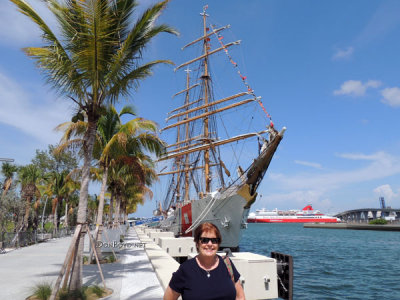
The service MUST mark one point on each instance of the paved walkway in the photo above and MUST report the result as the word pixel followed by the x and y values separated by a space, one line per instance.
pixel 130 278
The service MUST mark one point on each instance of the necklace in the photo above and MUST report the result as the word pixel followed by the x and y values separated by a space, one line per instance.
pixel 209 269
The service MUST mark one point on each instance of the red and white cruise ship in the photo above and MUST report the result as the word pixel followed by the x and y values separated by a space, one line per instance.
pixel 306 215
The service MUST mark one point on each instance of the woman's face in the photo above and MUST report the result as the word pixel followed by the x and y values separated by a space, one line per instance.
pixel 208 249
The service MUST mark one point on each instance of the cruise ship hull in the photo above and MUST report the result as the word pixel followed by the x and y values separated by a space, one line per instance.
pixel 292 220
pixel 306 215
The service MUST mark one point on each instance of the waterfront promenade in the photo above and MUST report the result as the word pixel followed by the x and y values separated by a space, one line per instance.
pixel 130 278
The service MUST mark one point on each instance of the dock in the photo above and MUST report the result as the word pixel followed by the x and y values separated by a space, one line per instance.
pixel 143 270
pixel 387 227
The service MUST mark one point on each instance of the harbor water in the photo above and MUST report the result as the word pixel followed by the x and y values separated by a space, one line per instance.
pixel 333 264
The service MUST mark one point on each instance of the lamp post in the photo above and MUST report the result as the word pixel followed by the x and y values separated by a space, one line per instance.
pixel 7 159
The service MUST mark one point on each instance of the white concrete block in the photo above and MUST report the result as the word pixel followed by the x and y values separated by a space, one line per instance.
pixel 177 247
pixel 151 229
pixel 156 235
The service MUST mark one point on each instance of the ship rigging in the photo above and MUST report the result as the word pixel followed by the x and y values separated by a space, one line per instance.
pixel 202 185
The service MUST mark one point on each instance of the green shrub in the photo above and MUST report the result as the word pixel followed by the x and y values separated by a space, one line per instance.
pixel 111 259
pixel 42 291
pixel 48 227
pixel 10 226
pixel 73 295
pixel 98 291
pixel 378 222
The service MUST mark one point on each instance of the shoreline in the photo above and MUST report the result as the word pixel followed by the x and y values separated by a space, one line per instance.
pixel 387 227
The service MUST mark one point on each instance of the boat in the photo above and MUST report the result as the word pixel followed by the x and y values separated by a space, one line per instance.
pixel 306 215
pixel 201 185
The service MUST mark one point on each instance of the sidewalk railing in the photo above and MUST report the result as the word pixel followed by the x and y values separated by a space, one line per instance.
pixel 26 238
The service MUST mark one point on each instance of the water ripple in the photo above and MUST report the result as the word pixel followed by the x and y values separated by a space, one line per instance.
pixel 333 264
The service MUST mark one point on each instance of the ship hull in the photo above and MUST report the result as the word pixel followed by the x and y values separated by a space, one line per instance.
pixel 227 210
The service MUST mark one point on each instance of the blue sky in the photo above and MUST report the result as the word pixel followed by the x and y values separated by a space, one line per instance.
pixel 327 70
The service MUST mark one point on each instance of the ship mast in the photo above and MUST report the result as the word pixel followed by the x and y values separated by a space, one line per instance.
pixel 205 141
pixel 205 82
pixel 186 196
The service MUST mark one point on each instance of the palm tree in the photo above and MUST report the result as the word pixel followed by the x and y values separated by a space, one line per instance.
pixel 94 60
pixel 114 140
pixel 29 176
pixel 62 186
pixel 130 175
pixel 71 186
pixel 8 171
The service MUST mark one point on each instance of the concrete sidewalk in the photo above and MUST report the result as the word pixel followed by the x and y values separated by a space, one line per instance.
pixel 132 277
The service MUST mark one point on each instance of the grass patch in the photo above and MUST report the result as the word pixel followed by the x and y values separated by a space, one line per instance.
pixel 85 259
pixel 49 227
pixel 111 259
pixel 42 291
pixel 73 295
pixel 96 290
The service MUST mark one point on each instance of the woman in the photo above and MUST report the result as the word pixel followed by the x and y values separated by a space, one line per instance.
pixel 206 276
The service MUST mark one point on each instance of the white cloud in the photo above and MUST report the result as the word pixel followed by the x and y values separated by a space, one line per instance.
pixel 293 191
pixel 296 200
pixel 384 20
pixel 361 156
pixel 385 191
pixel 391 96
pixel 308 164
pixel 35 117
pixel 373 84
pixel 381 165
pixel 343 53
pixel 17 29
pixel 356 87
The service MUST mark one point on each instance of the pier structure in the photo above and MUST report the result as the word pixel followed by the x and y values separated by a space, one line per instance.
pixel 259 274
pixel 146 260
pixel 364 215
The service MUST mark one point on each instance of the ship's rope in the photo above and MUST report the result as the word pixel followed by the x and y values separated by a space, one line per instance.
pixel 202 215
pixel 235 65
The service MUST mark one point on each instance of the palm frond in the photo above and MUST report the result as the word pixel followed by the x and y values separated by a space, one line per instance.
pixel 122 84
pixel 53 58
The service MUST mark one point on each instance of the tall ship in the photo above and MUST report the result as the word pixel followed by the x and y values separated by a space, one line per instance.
pixel 306 215
pixel 215 160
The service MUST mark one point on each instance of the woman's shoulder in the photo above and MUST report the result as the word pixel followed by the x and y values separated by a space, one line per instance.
pixel 222 259
pixel 188 264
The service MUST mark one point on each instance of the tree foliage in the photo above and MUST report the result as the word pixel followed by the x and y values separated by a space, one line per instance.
pixel 50 161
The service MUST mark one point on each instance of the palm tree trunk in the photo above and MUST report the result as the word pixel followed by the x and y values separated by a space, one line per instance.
pixel 111 209
pixel 66 213
pixel 101 198
pixel 117 209
pixel 123 218
pixel 55 217
pixel 99 221
pixel 36 218
pixel 27 211
pixel 6 186
pixel 76 277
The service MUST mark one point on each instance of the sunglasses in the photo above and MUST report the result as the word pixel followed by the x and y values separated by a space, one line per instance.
pixel 205 240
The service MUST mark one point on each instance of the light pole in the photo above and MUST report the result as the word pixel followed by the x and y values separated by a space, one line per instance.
pixel 7 159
